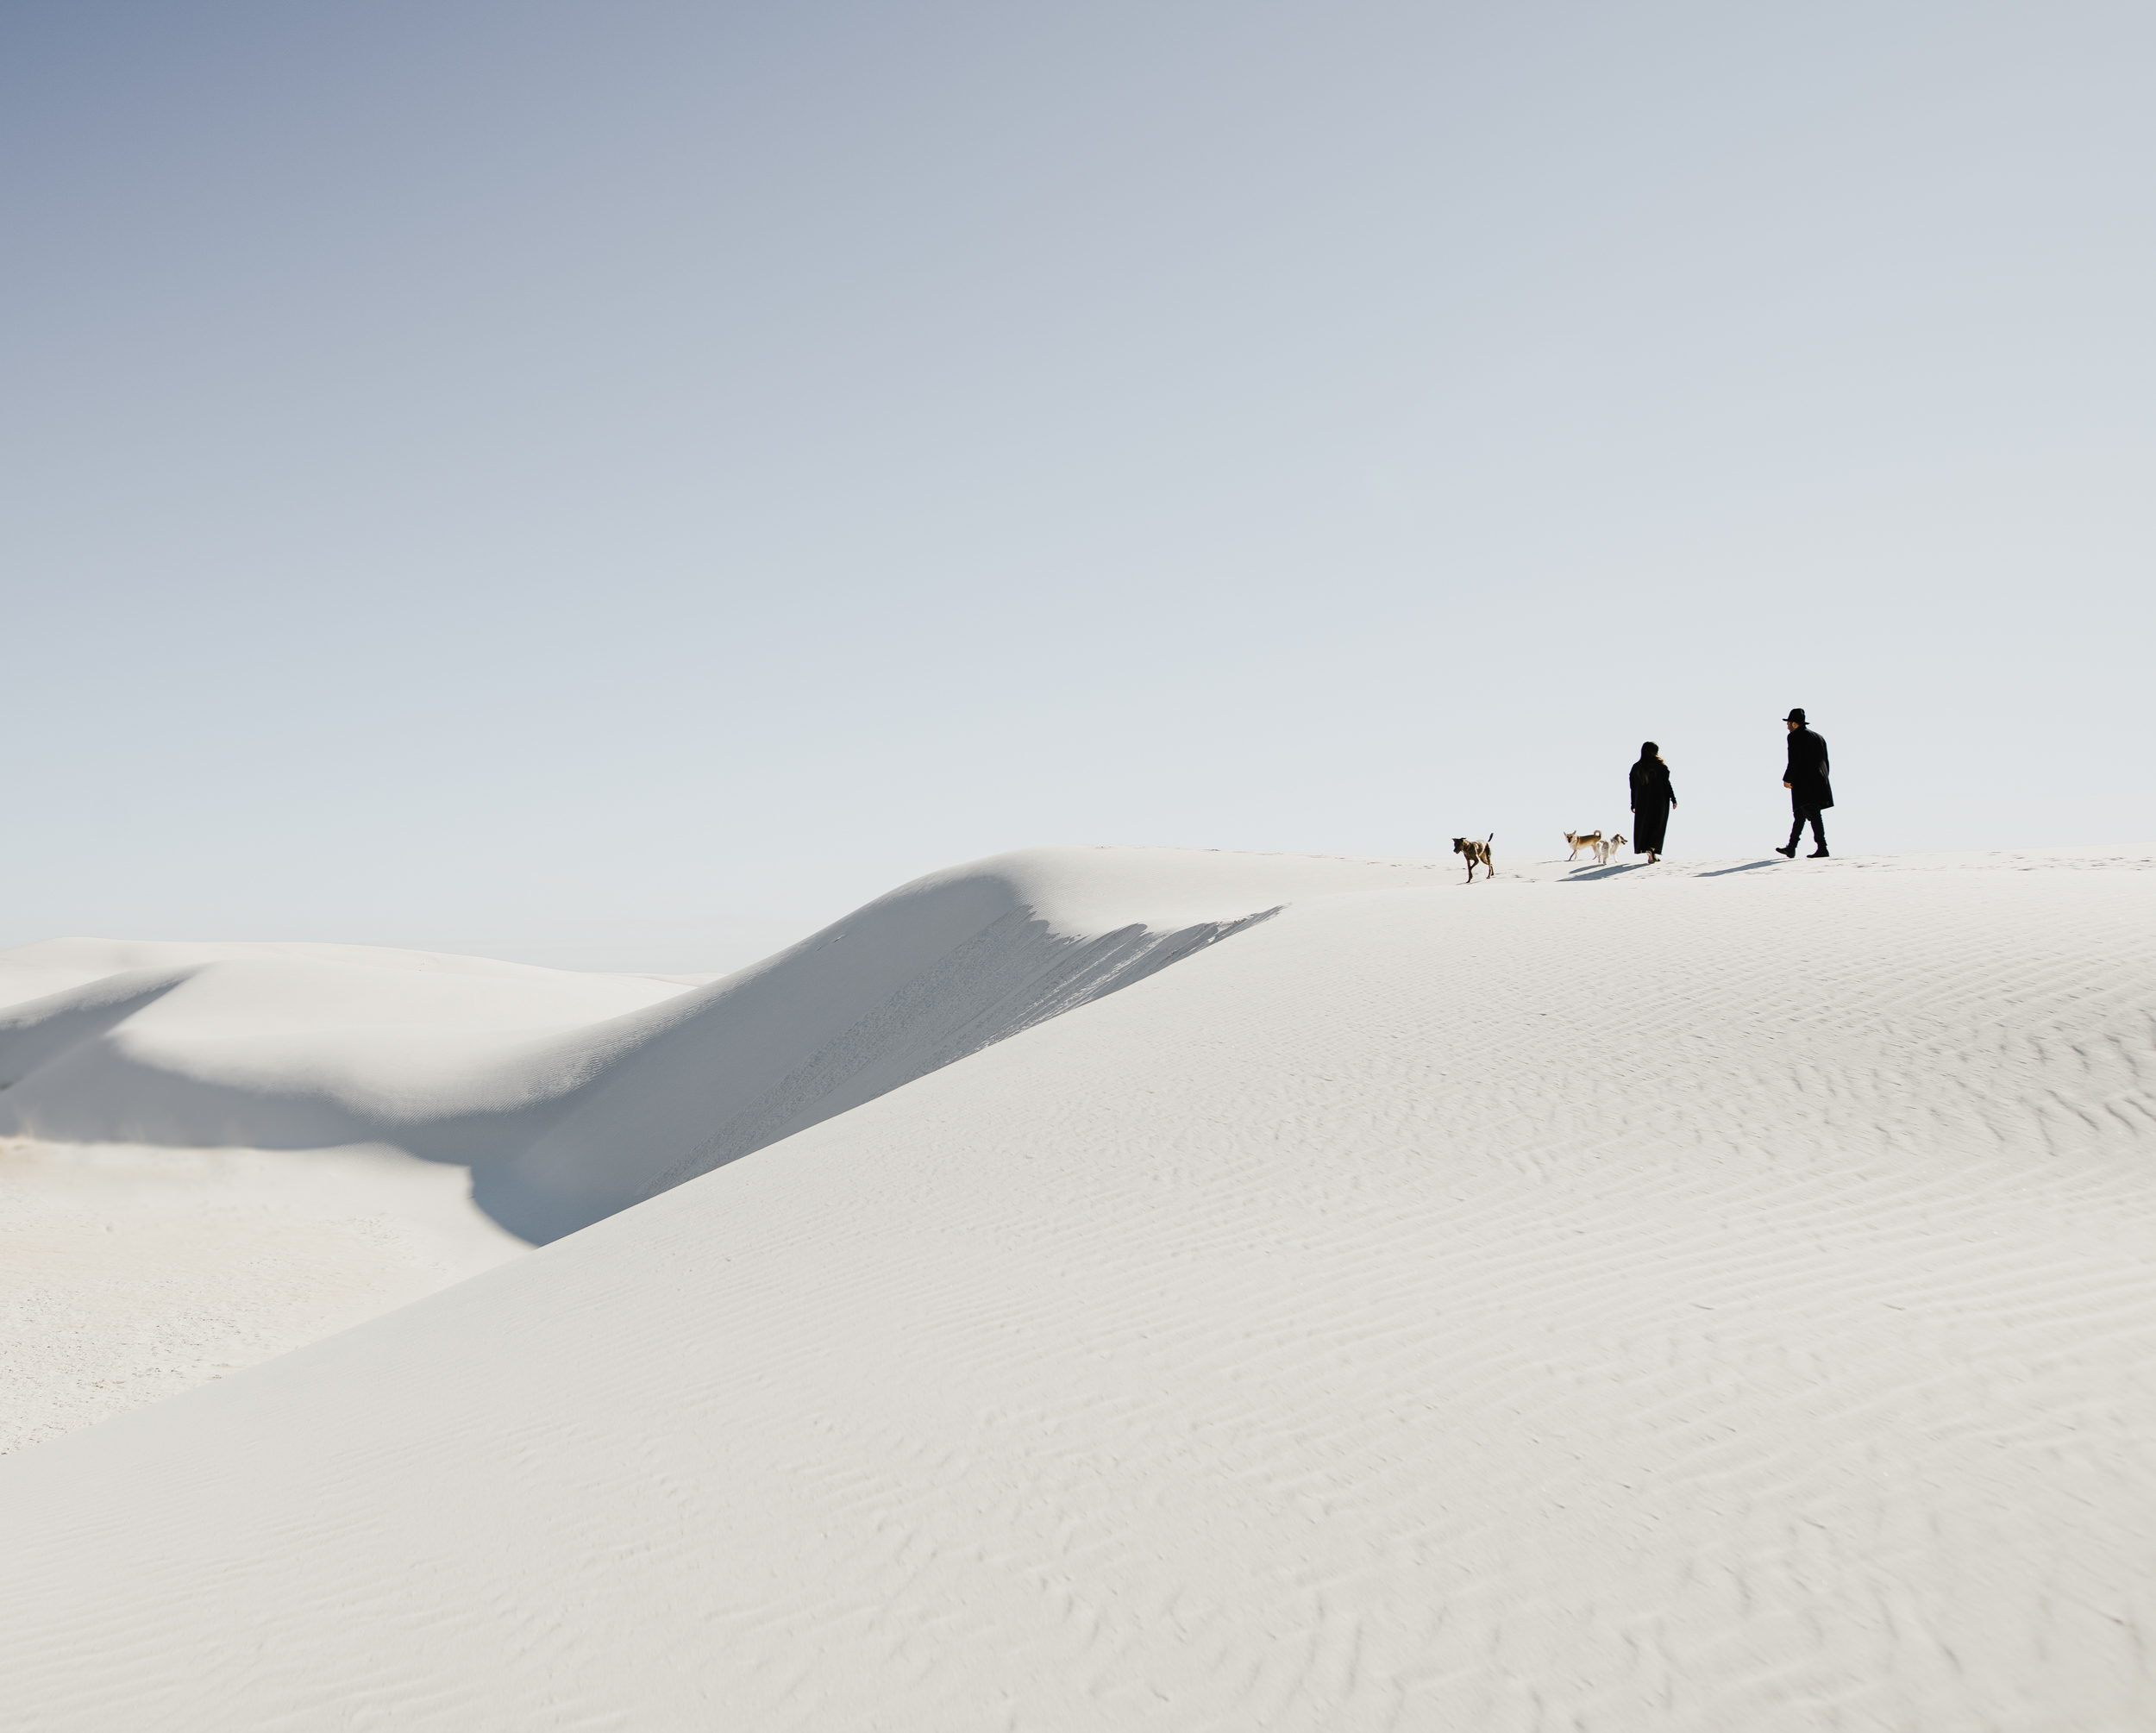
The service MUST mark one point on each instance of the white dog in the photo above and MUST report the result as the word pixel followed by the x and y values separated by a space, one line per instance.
pixel 1603 849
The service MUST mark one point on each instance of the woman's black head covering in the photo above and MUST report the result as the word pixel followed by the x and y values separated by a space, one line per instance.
pixel 1649 749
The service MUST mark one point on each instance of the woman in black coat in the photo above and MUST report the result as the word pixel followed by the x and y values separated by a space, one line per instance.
pixel 1651 799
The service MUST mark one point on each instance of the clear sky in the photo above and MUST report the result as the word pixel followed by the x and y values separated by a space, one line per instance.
pixel 618 485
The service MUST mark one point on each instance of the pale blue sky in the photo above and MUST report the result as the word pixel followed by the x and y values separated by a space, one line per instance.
pixel 618 485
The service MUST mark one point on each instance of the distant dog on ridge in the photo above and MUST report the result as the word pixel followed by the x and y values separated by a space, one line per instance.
pixel 1579 840
pixel 1477 854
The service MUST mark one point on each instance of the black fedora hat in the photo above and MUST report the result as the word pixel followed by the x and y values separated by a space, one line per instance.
pixel 1794 716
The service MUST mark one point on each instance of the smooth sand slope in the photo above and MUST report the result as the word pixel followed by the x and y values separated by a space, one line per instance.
pixel 1697 1298
pixel 242 1147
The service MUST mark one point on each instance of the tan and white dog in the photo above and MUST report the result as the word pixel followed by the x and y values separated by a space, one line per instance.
pixel 1582 839
pixel 1604 850
pixel 1478 855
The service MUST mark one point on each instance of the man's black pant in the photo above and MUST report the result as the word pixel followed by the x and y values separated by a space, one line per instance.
pixel 1819 831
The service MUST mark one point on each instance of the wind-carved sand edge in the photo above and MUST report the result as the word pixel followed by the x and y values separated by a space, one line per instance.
pixel 998 971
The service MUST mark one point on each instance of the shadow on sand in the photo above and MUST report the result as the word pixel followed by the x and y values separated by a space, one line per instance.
pixel 1588 875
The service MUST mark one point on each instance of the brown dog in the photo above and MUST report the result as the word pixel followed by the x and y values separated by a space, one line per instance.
pixel 1477 854
pixel 1579 840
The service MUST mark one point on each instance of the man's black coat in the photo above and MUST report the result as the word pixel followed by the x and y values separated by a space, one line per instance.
pixel 1810 789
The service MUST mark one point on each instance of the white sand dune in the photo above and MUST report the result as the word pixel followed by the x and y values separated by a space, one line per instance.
pixel 1694 1298
pixel 305 1078
pixel 572 1096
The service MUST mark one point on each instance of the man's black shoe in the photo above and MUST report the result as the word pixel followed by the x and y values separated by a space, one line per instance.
pixel 1788 854
pixel 1816 854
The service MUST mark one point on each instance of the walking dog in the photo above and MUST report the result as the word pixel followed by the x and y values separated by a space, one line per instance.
pixel 1604 850
pixel 1477 854
pixel 1579 840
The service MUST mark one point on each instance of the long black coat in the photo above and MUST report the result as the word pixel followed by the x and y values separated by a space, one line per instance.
pixel 1810 789
pixel 1651 799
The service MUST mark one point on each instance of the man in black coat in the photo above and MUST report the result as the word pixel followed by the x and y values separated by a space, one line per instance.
pixel 1805 777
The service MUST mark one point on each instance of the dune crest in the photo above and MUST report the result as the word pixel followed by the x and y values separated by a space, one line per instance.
pixel 571 1097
